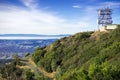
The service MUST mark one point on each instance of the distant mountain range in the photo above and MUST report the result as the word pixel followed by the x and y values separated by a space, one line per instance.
pixel 33 35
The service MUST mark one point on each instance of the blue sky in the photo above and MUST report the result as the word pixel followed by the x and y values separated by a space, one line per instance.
pixel 53 16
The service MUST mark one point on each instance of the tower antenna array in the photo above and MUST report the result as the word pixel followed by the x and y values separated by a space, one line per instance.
pixel 104 16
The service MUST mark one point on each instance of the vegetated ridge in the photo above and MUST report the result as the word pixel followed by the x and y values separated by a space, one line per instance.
pixel 83 56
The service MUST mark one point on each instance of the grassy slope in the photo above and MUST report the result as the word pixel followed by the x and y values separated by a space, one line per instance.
pixel 82 56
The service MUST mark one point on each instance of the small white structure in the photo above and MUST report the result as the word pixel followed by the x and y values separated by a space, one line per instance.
pixel 108 27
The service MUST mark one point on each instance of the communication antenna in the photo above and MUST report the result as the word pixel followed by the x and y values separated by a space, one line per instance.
pixel 104 16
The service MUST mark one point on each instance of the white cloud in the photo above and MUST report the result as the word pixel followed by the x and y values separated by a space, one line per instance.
pixel 19 20
pixel 30 3
pixel 76 6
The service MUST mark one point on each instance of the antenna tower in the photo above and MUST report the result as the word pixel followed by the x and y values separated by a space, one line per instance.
pixel 104 16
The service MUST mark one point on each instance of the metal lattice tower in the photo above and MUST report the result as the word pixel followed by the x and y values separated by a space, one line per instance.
pixel 104 16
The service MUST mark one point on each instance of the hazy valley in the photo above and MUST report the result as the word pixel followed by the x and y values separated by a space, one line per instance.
pixel 21 47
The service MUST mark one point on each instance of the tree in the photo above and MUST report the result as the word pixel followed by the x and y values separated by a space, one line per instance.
pixel 27 54
pixel 29 75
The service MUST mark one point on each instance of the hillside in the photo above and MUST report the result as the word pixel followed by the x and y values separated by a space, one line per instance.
pixel 83 56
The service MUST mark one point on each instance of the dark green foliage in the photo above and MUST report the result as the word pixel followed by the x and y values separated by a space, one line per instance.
pixel 29 75
pixel 83 56
pixel 83 36
pixel 58 72
pixel 37 55
pixel 101 72
pixel 10 71
pixel 27 54
pixel 42 77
